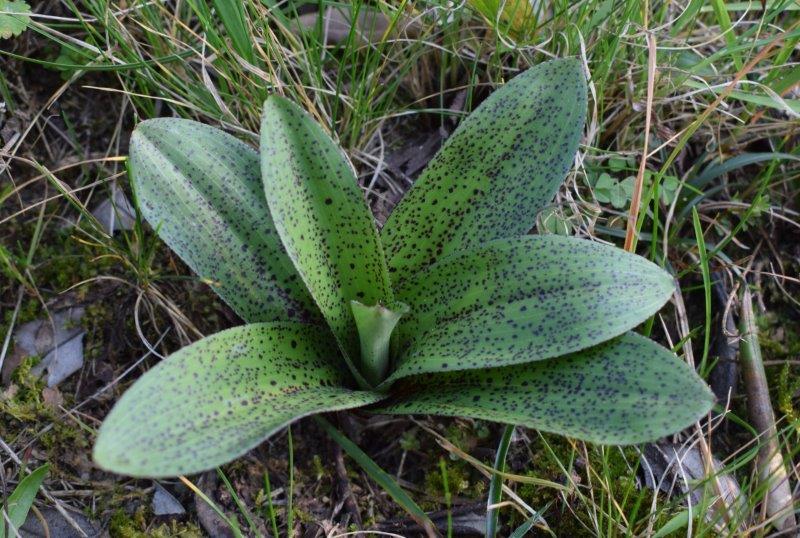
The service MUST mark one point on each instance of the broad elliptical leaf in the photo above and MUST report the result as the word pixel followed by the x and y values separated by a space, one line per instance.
pixel 322 217
pixel 523 299
pixel 214 400
pixel 628 390
pixel 201 189
pixel 502 165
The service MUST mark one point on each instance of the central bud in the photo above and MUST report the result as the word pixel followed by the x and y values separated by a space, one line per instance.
pixel 375 325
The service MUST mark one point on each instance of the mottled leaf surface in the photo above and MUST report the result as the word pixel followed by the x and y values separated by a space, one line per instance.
pixel 501 166
pixel 216 399
pixel 321 216
pixel 201 189
pixel 524 299
pixel 625 391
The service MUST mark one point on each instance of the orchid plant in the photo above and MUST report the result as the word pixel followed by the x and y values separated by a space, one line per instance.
pixel 451 309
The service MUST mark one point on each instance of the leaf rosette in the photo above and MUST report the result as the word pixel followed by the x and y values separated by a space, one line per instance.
pixel 452 309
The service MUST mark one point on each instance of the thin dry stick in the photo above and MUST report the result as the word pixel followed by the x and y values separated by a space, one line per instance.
pixel 636 198
pixel 778 502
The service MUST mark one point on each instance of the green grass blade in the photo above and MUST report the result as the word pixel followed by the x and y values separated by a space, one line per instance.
pixel 626 391
pixel 232 524
pixel 232 14
pixel 524 299
pixel 21 499
pixel 381 477
pixel 496 483
pixel 706 272
pixel 217 398
pixel 726 27
pixel 783 104
pixel 447 498
pixel 789 80
pixel 688 16
pixel 200 188
pixel 675 524
pixel 522 530
pixel 322 217
pixel 273 520
pixel 238 502
pixel 501 166
pixel 717 169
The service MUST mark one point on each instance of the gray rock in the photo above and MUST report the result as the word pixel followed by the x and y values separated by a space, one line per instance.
pixel 165 504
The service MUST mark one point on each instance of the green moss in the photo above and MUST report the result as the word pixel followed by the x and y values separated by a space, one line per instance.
pixel 28 311
pixel 780 341
pixel 467 436
pixel 22 400
pixel 319 469
pixel 462 481
pixel 123 525
pixel 409 440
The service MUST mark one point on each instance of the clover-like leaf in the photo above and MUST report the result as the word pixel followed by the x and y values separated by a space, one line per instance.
pixel 502 165
pixel 15 16
pixel 217 398
pixel 321 216
pixel 200 188
pixel 625 391
pixel 524 299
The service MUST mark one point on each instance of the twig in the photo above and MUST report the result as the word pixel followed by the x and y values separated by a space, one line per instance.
pixel 7 339
pixel 778 501
pixel 343 490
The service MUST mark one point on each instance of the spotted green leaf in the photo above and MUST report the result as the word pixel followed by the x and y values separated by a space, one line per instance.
pixel 625 391
pixel 524 299
pixel 201 189
pixel 502 165
pixel 216 399
pixel 321 216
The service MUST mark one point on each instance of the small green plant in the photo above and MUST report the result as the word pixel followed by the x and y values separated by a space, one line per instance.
pixel 15 510
pixel 15 16
pixel 450 310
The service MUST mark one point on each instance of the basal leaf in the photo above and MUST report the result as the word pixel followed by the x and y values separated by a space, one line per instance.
pixel 321 216
pixel 201 189
pixel 502 165
pixel 216 399
pixel 625 391
pixel 524 299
